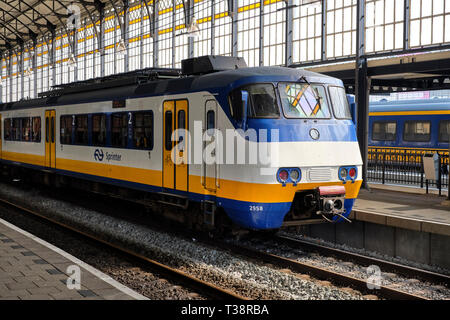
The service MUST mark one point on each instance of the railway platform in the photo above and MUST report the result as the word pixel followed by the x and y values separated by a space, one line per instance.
pixel 32 269
pixel 402 207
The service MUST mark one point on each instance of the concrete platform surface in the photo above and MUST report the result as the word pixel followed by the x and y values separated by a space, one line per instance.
pixel 413 211
pixel 32 269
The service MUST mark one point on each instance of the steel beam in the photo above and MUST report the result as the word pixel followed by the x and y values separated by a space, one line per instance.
pixel 362 88
pixel 234 26
pixel 261 32
pixel 213 28
pixel 406 26
pixel 288 35
pixel 324 30
pixel 155 34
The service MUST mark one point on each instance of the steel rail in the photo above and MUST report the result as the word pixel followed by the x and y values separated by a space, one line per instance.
pixel 193 282
pixel 318 272
pixel 386 266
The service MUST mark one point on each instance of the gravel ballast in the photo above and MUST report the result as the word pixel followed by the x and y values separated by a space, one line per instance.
pixel 250 279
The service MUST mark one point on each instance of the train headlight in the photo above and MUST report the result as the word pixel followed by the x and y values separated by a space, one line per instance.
pixel 295 175
pixel 343 174
pixel 348 173
pixel 289 175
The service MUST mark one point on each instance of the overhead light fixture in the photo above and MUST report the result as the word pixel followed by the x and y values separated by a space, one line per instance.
pixel 72 62
pixel 121 48
pixel 193 29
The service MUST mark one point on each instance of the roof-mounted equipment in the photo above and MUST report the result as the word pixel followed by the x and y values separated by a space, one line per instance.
pixel 210 64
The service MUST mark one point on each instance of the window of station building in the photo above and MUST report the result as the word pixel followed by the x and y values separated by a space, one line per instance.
pixel 417 131
pixel 444 131
pixel 36 129
pixel 26 129
pixel 119 130
pixel 7 129
pixel 81 129
pixel 99 130
pixel 66 129
pixel 143 130
pixel 384 131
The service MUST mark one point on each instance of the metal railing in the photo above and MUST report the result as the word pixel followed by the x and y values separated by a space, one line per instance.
pixel 405 167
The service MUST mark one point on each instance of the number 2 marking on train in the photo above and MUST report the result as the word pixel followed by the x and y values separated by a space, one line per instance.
pixel 129 118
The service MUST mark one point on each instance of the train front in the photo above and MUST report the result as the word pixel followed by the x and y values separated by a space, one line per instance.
pixel 309 162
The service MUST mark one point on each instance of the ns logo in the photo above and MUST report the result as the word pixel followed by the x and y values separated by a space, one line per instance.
pixel 98 155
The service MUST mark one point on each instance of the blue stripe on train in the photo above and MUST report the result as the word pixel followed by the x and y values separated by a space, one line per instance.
pixel 255 215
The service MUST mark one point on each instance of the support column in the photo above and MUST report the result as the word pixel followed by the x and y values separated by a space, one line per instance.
pixel 34 66
pixel 10 74
pixel 101 41
pixel 324 30
pixel 234 32
pixel 362 90
pixel 261 32
pixel 191 39
pixel 125 36
pixel 288 39
pixel 174 24
pixel 21 72
pixel 155 34
pixel 141 34
pixel 406 24
pixel 213 29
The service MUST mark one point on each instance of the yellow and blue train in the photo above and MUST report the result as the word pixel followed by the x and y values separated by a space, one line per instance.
pixel 135 136
pixel 419 125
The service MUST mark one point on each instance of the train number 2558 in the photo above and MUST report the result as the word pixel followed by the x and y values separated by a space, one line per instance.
pixel 256 208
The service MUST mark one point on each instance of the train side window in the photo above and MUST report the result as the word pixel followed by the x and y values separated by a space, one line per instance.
pixel 81 129
pixel 26 129
pixel 7 129
pixel 210 122
pixel 444 131
pixel 36 129
pixel 168 130
pixel 143 130
pixel 417 131
pixel 384 131
pixel 119 130
pixel 16 129
pixel 99 130
pixel 66 129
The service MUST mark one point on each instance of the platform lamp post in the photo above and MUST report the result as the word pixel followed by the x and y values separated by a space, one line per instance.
pixel 448 165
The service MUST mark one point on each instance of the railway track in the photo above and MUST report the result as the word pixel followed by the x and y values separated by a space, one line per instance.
pixel 298 267
pixel 206 288
pixel 339 279
pixel 386 266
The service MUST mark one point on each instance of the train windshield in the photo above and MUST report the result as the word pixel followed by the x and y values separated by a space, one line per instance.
pixel 303 100
pixel 340 103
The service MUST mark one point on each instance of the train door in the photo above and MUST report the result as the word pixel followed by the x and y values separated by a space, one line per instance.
pixel 50 149
pixel 209 160
pixel 181 147
pixel 1 136
pixel 168 125
pixel 175 154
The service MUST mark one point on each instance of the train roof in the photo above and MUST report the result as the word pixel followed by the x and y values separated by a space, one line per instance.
pixel 173 83
pixel 410 105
